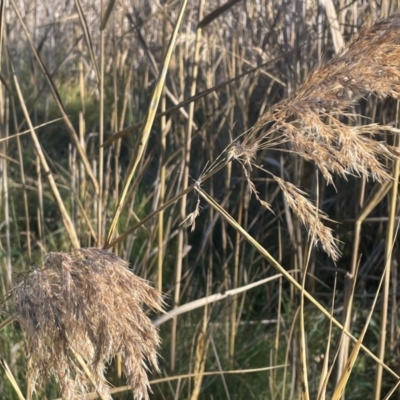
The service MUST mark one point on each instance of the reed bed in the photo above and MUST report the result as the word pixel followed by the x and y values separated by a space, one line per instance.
pixel 215 150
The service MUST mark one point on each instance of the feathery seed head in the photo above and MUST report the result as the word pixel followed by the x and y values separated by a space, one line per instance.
pixel 87 303
pixel 312 118
pixel 315 121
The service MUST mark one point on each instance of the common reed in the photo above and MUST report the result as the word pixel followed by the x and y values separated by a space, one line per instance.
pixel 87 303
pixel 314 120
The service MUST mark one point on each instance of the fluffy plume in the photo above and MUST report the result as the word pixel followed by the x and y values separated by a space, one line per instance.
pixel 310 216
pixel 312 119
pixel 88 304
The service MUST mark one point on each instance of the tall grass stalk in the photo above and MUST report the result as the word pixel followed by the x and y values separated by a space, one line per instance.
pixel 187 141
pixel 389 245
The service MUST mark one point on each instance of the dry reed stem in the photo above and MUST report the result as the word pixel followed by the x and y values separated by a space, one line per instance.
pixel 149 119
pixel 87 302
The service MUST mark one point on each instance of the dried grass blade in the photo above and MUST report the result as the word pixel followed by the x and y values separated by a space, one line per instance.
pixel 57 99
pixel 182 240
pixel 88 38
pixel 3 80
pixel 6 322
pixel 288 348
pixel 325 373
pixel 216 13
pixel 202 343
pixel 145 132
pixel 392 390
pixel 100 194
pixel 2 21
pixel 337 37
pixel 339 390
pixel 217 358
pixel 282 270
pixel 305 389
pixel 147 218
pixel 87 220
pixel 69 226
pixel 28 130
pixel 11 378
pixel 374 200
pixel 5 157
pixel 154 69
pixel 193 305
pixel 131 129
pixel 107 14
pixel 389 244
pixel 121 389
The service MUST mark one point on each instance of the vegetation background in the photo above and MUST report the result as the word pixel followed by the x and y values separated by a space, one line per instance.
pixel 84 70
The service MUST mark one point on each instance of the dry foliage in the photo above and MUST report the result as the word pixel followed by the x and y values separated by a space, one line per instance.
pixel 313 120
pixel 310 216
pixel 87 303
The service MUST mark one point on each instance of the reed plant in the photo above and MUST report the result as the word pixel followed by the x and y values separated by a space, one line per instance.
pixel 86 305
pixel 268 129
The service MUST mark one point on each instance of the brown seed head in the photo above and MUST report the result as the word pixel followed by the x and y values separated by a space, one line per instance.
pixel 87 303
